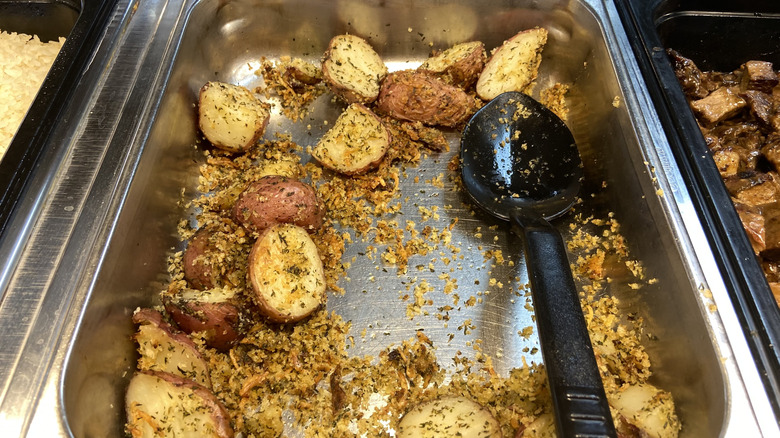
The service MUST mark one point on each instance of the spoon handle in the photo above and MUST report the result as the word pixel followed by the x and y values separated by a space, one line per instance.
pixel 579 401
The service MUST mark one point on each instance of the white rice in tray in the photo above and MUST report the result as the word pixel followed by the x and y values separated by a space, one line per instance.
pixel 24 63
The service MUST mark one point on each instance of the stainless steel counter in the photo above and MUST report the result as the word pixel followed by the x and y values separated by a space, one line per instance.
pixel 81 210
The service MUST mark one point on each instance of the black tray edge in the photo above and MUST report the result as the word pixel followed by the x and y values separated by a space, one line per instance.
pixel 753 300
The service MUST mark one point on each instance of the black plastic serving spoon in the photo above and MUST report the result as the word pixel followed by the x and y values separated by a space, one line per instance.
pixel 520 163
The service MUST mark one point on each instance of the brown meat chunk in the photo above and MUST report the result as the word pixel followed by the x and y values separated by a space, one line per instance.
pixel 759 76
pixel 764 192
pixel 775 287
pixel 753 222
pixel 744 180
pixel 695 83
pixel 720 105
pixel 775 120
pixel 761 107
pixel 727 161
pixel 744 138
pixel 772 224
pixel 771 150
pixel 772 271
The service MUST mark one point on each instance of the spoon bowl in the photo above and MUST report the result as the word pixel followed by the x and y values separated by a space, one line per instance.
pixel 517 154
pixel 520 163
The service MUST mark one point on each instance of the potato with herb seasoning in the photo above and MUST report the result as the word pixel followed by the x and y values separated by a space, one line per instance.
pixel 230 116
pixel 215 312
pixel 161 404
pixel 460 65
pixel 201 261
pixel 356 144
pixel 417 96
pixel 299 73
pixel 542 427
pixel 277 199
pixel 352 69
pixel 163 349
pixel 286 274
pixel 449 416
pixel 645 411
pixel 514 65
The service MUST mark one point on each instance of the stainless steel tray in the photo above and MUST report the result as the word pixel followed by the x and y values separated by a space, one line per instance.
pixel 99 249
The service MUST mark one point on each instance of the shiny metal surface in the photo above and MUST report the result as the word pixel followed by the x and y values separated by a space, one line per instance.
pixel 109 214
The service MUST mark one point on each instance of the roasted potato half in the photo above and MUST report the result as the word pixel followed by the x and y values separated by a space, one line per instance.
pixel 286 274
pixel 352 69
pixel 645 411
pixel 163 349
pixel 460 65
pixel 357 142
pixel 449 416
pixel 299 73
pixel 215 312
pixel 514 65
pixel 285 165
pixel 419 97
pixel 161 404
pixel 230 116
pixel 277 199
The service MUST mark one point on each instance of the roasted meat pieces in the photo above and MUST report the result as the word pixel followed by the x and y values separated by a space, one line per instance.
pixel 739 115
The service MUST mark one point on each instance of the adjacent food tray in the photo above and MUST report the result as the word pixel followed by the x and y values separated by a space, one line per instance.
pixel 80 23
pixel 717 36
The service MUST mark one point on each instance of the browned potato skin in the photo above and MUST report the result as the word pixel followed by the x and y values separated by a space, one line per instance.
pixel 221 321
pixel 465 71
pixel 219 415
pixel 419 97
pixel 277 199
pixel 199 269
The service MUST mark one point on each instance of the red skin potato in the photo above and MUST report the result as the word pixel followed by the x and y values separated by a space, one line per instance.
pixel 199 271
pixel 419 97
pixel 278 199
pixel 220 320
pixel 464 72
